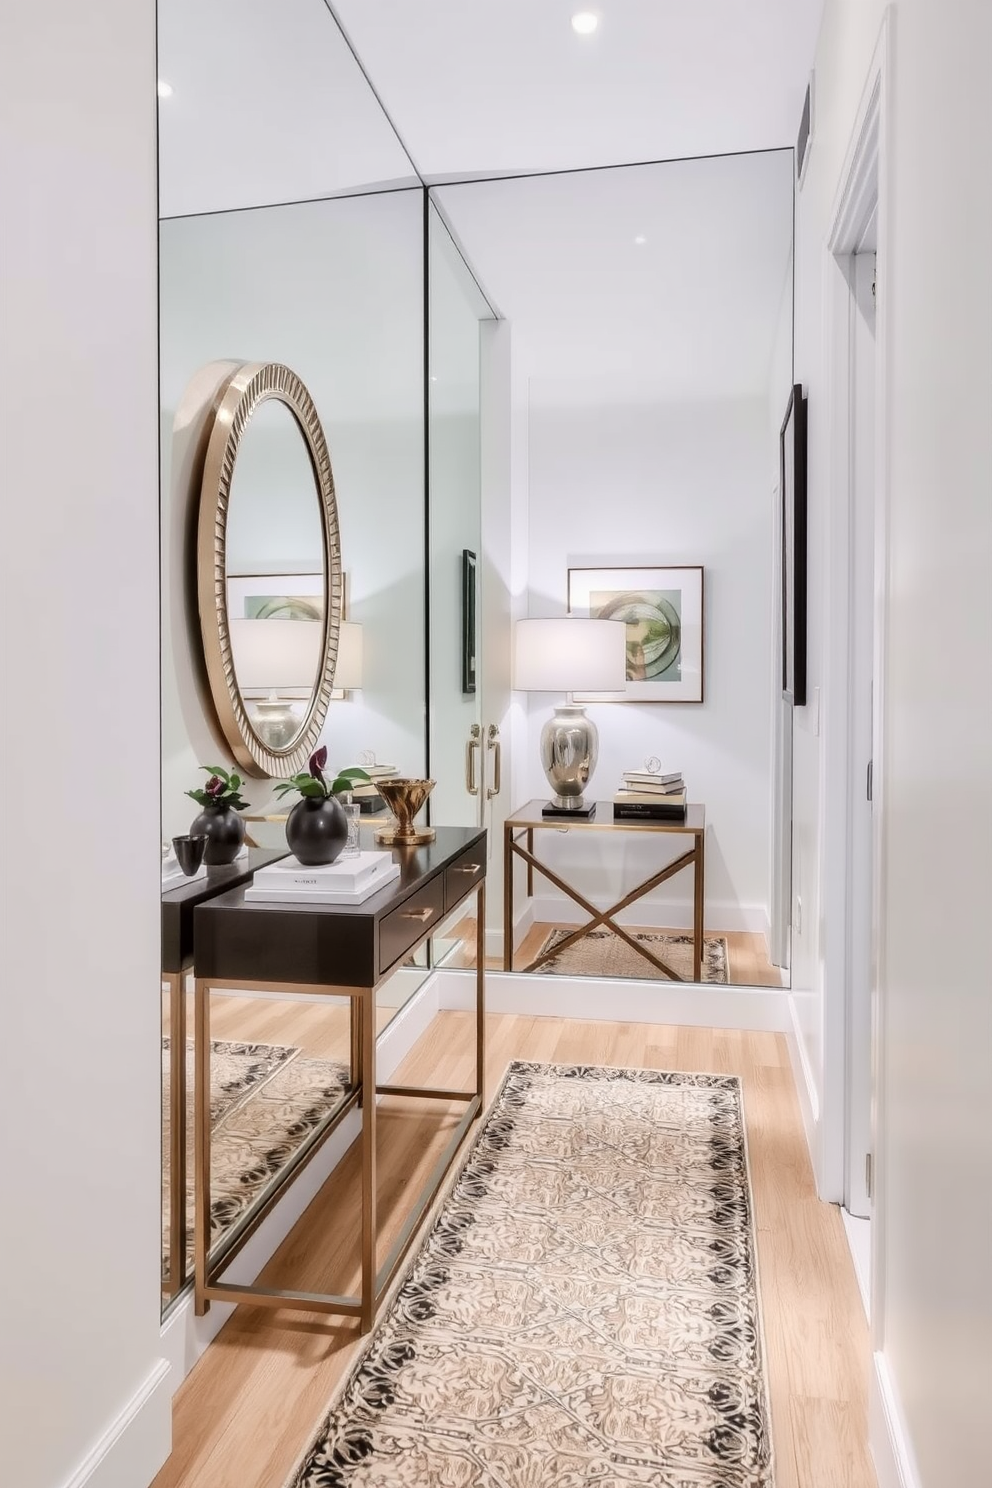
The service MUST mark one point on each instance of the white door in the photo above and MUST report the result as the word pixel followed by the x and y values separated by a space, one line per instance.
pixel 862 652
pixel 455 310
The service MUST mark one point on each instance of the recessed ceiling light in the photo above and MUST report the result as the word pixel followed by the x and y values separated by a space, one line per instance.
pixel 164 89
pixel 585 22
pixel 640 239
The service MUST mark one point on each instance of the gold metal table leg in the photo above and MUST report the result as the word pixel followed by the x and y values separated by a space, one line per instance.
pixel 201 1075
pixel 369 1225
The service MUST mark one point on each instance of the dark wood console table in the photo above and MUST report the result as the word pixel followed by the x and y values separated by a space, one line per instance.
pixel 335 951
pixel 528 820
pixel 178 905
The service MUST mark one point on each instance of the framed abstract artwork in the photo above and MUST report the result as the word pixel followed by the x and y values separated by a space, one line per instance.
pixel 792 488
pixel 663 612
pixel 469 590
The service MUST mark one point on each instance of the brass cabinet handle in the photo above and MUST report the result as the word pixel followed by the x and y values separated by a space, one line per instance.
pixel 471 750
pixel 416 914
pixel 494 744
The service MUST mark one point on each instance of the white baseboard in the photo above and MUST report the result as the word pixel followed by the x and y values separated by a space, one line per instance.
pixel 137 1442
pixel 809 1101
pixel 858 1232
pixel 651 914
pixel 184 1335
pixel 760 1009
pixel 895 1464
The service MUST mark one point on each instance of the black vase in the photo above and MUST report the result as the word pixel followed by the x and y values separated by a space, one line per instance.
pixel 316 830
pixel 224 831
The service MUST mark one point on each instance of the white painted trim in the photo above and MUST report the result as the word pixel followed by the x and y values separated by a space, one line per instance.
pixel 650 914
pixel 135 1445
pixel 185 1336
pixel 759 1009
pixel 802 1074
pixel 862 181
pixel 888 1439
pixel 858 1232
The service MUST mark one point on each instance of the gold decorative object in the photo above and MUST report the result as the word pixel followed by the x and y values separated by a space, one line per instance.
pixel 404 799
pixel 251 385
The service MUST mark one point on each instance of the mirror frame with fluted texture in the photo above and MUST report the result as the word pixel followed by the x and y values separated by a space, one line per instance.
pixel 251 385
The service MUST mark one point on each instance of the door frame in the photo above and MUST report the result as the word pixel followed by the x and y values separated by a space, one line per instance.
pixel 863 191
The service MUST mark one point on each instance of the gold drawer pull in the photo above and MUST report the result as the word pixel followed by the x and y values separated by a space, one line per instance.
pixel 468 868
pixel 416 914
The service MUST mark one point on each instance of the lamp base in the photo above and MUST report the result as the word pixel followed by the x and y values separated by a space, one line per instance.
pixel 581 811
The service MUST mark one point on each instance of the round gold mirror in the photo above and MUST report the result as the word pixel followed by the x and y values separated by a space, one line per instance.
pixel 269 569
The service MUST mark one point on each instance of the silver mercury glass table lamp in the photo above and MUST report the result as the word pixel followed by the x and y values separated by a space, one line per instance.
pixel 569 654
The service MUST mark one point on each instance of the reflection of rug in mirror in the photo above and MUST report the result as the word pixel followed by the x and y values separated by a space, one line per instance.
pixel 264 1102
pixel 584 1309
pixel 603 954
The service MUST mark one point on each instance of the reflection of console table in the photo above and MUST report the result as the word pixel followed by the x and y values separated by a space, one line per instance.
pixel 337 952
pixel 178 905
pixel 528 820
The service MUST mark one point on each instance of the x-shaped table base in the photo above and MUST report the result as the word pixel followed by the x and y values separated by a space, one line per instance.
pixel 527 821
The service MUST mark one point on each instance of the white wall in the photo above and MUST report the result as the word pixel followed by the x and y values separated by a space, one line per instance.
pixel 335 290
pixel 932 1216
pixel 81 1381
pixel 622 475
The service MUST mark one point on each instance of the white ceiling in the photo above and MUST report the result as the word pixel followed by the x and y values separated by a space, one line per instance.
pixel 267 105
pixel 489 86
pixel 691 312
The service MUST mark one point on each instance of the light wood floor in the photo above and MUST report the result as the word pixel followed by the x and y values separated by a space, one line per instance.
pixel 747 953
pixel 251 1404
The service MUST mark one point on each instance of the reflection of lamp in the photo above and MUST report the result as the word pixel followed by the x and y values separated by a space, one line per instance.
pixel 348 667
pixel 273 658
pixel 569 655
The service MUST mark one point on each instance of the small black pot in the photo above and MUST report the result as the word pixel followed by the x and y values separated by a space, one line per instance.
pixel 224 831
pixel 316 830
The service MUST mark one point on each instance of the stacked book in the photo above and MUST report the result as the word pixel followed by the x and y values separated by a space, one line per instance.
pixel 366 793
pixel 648 796
pixel 346 881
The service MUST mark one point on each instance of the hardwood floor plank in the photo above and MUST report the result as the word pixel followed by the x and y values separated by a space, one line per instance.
pixel 249 1407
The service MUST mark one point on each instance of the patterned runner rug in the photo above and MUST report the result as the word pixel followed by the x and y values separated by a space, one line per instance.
pixel 603 954
pixel 584 1309
pixel 264 1102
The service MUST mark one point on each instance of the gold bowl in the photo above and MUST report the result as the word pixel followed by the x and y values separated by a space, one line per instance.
pixel 404 799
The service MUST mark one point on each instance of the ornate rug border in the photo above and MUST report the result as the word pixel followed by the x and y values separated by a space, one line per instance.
pixel 514 1066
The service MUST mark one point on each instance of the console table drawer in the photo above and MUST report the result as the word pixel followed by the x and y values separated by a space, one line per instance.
pixel 403 927
pixel 464 873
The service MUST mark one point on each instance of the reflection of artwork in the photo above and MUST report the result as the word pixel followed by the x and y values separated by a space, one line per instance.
pixel 663 610
pixel 275 596
pixel 283 607
pixel 793 494
pixel 468 621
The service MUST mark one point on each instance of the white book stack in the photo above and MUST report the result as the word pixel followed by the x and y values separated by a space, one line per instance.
pixel 347 881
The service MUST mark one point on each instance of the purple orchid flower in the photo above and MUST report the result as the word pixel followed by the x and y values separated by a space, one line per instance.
pixel 317 762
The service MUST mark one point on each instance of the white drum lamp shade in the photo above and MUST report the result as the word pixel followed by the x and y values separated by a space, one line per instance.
pixel 276 656
pixel 568 654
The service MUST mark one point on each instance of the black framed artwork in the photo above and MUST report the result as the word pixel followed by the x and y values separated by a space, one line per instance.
pixel 469 587
pixel 792 486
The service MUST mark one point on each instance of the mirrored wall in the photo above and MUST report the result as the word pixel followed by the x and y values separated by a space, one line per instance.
pixel 302 247
pixel 651 316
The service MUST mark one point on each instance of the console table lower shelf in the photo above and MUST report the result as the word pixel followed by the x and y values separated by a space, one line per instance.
pixel 291 949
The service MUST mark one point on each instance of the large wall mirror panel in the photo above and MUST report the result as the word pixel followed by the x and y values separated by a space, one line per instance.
pixel 651 317
pixel 304 252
